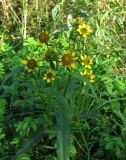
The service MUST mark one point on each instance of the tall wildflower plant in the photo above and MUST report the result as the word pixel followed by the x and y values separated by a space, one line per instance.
pixel 53 72
pixel 63 70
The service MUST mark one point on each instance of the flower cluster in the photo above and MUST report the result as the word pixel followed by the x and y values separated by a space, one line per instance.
pixel 68 59
pixel 87 62
pixel 87 73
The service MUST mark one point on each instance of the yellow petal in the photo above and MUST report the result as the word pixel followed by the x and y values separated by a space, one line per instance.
pixel 92 81
pixel 91 61
pixel 85 72
pixel 44 78
pixel 24 61
pixel 90 71
pixel 72 65
pixel 82 63
pixel 84 35
pixel 82 58
pixel 73 54
pixel 93 76
pixel 89 29
pixel 75 58
pixel 81 73
pixel 48 80
pixel 28 57
pixel 88 66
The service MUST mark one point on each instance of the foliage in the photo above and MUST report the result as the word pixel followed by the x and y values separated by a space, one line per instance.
pixel 62 80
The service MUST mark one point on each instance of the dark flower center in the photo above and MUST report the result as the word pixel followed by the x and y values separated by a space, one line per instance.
pixel 44 37
pixel 83 30
pixel 32 64
pixel 86 61
pixel 88 77
pixel 67 59
pixel 48 57
pixel 49 75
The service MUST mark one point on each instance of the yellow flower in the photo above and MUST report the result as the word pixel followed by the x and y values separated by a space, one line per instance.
pixel 84 29
pixel 88 75
pixel 50 55
pixel 86 61
pixel 43 37
pixel 49 76
pixel 31 63
pixel 68 59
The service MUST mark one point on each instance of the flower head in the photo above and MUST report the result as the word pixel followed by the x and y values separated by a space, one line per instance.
pixel 49 76
pixel 68 59
pixel 50 55
pixel 75 118
pixel 43 37
pixel 86 61
pixel 84 29
pixel 31 63
pixel 88 76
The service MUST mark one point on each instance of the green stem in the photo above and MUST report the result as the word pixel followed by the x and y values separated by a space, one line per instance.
pixel 38 90
pixel 65 90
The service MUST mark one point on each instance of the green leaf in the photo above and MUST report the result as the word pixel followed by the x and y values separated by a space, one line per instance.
pixel 23 157
pixel 115 106
pixel 119 86
pixel 90 114
pixel 33 140
pixel 14 141
pixel 2 136
pixel 63 132
pixel 14 72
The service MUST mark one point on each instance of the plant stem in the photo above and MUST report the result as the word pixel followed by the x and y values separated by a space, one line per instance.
pixel 65 90
pixel 38 90
pixel 24 27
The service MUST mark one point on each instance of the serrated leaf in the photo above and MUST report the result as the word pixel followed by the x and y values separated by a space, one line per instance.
pixel 32 141
pixel 14 72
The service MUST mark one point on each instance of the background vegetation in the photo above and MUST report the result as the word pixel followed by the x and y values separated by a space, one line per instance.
pixel 34 125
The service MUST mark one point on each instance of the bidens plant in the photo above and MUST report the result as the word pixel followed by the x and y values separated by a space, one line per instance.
pixel 52 78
